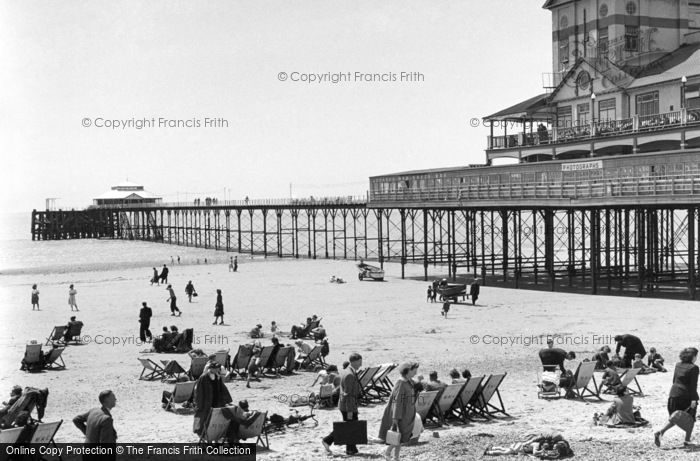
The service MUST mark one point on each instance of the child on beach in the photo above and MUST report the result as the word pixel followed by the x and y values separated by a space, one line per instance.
pixel 639 363
pixel 656 361
pixel 430 294
pixel 445 309
pixel 611 378
pixel 71 298
pixel 35 297
pixel 273 328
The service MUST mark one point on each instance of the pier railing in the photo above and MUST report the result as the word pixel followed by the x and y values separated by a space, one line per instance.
pixel 678 185
pixel 204 203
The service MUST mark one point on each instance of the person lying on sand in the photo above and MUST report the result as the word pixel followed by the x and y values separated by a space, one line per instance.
pixel 543 446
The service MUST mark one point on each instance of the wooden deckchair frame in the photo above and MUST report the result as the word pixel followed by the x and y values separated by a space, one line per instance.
pixel 256 429
pixel 433 415
pixel 626 379
pixel 33 351
pixel 280 359
pixel 54 361
pixel 197 365
pixel 381 385
pixel 181 393
pixel 365 380
pixel 582 386
pixel 172 374
pixel 463 406
pixel 44 433
pixel 265 356
pixel 219 431
pixel 74 332
pixel 223 358
pixel 156 371
pixel 56 336
pixel 449 399
pixel 424 402
pixel 240 361
pixel 488 390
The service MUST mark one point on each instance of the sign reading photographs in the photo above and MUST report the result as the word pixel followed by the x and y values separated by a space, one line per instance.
pixel 582 166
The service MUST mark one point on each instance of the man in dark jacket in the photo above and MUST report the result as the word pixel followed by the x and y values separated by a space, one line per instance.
pixel 553 357
pixel 633 345
pixel 97 424
pixel 209 392
pixel 164 274
pixel 348 401
pixel 145 315
pixel 474 290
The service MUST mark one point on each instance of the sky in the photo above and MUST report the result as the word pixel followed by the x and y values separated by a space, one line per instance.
pixel 78 77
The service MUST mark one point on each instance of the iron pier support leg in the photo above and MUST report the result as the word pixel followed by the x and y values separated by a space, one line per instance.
pixel 691 253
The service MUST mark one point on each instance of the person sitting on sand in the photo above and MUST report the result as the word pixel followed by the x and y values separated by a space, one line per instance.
pixel 611 378
pixel 466 374
pixel 256 332
pixel 434 384
pixel 15 394
pixel 543 446
pixel 655 360
pixel 456 377
pixel 639 363
pixel 274 329
pixel 601 358
pixel 621 410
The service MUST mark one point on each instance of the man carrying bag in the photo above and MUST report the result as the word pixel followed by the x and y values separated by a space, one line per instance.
pixel 351 431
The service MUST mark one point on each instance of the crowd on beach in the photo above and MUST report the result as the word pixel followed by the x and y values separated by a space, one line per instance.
pixel 339 387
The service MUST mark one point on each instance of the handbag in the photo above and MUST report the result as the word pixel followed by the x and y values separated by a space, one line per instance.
pixel 350 433
pixel 682 419
pixel 194 295
pixel 393 438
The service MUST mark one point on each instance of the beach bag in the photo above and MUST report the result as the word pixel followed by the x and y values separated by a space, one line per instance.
pixel 350 432
pixel 393 438
pixel 194 294
pixel 682 419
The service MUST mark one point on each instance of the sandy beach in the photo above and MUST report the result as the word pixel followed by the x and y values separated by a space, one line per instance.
pixel 385 322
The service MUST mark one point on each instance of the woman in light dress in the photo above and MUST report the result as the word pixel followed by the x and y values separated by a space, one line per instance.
pixel 71 298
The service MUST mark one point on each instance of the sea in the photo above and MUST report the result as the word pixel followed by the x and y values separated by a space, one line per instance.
pixel 20 255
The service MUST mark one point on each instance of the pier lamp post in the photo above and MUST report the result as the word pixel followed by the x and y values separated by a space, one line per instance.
pixel 593 130
pixel 684 80
pixel 593 108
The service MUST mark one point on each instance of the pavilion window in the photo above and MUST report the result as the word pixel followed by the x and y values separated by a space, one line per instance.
pixel 692 97
pixel 648 103
pixel 607 110
pixel 564 117
pixel 631 38
pixel 583 112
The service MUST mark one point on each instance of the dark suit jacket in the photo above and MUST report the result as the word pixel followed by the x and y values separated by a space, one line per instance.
pixel 349 391
pixel 145 315
pixel 97 425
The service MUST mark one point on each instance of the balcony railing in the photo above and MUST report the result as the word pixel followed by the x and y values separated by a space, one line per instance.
pixel 597 129
pixel 307 201
pixel 660 186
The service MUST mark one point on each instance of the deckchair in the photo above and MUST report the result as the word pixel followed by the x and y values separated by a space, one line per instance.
pixel 306 332
pixel 181 394
pixel 56 336
pixel 280 361
pixel 314 359
pixel 626 379
pixel 325 395
pixel 445 403
pixel 151 370
pixel 464 405
pixel 489 389
pixel 45 432
pixel 215 427
pixel 381 384
pixel 582 380
pixel 197 367
pixel 33 358
pixel 256 430
pixel 172 369
pixel 265 355
pixel 433 417
pixel 424 402
pixel 30 400
pixel 54 361
pixel 73 333
pixel 223 358
pixel 365 379
pixel 242 359
pixel 14 435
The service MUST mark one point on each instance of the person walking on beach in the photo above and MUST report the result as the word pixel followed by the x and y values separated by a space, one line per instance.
pixel 145 315
pixel 230 264
pixel 474 290
pixel 683 396
pixel 98 425
pixel 178 259
pixel 173 301
pixel 235 264
pixel 218 308
pixel 35 297
pixel 71 298
pixel 164 274
pixel 189 290
pixel 400 412
pixel 348 402
pixel 156 278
